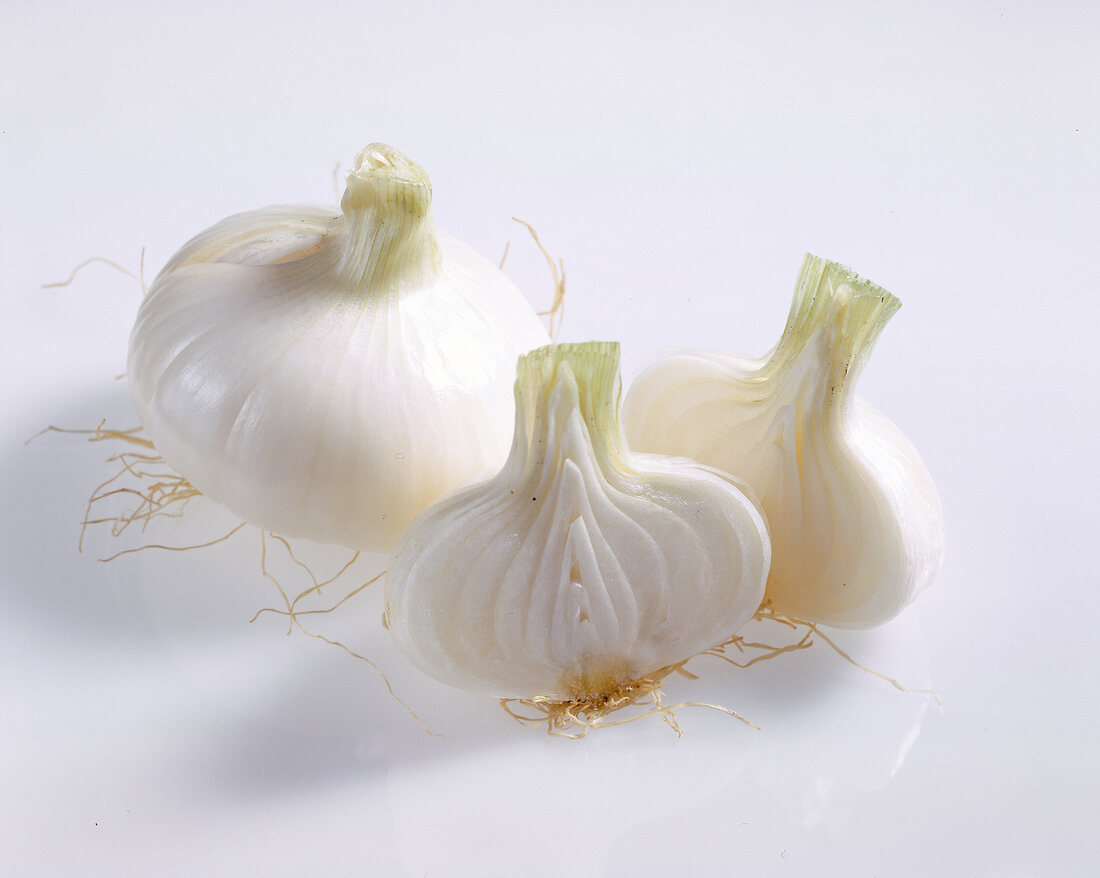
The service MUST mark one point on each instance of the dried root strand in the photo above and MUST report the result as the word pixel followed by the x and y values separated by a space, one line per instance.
pixel 146 486
pixel 294 615
pixel 188 548
pixel 153 491
pixel 133 435
pixel 159 495
pixel 764 651
pixel 291 610
pixel 812 628
pixel 139 277
pixel 557 272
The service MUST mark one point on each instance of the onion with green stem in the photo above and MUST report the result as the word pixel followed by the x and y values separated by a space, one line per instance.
pixel 855 518
pixel 582 572
pixel 326 374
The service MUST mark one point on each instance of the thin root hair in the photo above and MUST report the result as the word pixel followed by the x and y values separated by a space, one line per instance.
pixel 557 272
pixel 294 616
pixel 139 277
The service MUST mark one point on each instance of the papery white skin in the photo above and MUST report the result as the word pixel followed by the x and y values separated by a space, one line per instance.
pixel 581 566
pixel 327 374
pixel 855 519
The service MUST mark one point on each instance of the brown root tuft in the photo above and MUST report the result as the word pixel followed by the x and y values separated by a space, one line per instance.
pixel 589 708
pixel 574 717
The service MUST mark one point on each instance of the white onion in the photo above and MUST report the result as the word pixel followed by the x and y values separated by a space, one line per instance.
pixel 581 567
pixel 326 374
pixel 854 516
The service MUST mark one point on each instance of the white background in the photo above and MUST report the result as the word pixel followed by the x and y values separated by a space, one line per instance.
pixel 680 159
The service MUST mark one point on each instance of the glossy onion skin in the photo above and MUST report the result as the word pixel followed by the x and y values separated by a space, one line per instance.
pixel 854 516
pixel 326 374
pixel 580 565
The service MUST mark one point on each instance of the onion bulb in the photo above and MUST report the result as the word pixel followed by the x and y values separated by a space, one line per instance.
pixel 326 374
pixel 581 566
pixel 855 519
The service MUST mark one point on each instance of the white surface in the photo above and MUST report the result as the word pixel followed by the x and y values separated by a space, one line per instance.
pixel 680 161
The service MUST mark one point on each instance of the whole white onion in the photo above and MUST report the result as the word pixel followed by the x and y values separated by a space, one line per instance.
pixel 326 374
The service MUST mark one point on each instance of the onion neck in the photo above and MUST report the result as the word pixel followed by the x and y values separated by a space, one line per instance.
pixel 558 382
pixel 386 241
pixel 834 322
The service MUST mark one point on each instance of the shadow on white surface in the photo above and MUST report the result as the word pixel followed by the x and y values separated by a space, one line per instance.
pixel 273 711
